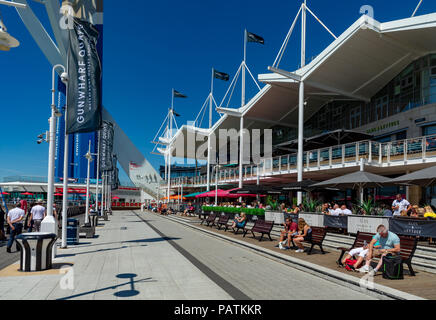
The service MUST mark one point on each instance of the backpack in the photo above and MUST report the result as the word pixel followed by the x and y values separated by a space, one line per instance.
pixel 392 267
pixel 349 263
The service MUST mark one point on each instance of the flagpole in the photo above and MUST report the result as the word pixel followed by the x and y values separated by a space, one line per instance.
pixel 170 119
pixel 301 106
pixel 241 125
pixel 210 126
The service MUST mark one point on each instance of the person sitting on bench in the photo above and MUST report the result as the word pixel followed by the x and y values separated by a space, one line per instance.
pixel 389 244
pixel 291 229
pixel 188 209
pixel 239 221
pixel 359 254
pixel 304 234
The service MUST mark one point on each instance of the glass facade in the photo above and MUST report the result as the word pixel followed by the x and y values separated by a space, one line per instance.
pixel 415 86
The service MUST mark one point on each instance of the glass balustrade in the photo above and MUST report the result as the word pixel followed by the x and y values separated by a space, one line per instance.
pixel 374 152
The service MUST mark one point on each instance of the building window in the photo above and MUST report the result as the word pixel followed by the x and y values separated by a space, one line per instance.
pixel 355 118
pixel 381 107
pixel 429 130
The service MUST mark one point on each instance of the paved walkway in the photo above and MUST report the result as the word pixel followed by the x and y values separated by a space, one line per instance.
pixel 422 285
pixel 144 256
pixel 127 260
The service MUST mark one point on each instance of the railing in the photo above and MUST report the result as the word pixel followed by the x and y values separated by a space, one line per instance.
pixel 375 153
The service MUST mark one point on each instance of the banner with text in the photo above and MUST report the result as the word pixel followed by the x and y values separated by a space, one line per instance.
pixel 106 146
pixel 84 85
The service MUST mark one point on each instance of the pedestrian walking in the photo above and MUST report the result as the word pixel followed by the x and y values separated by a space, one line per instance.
pixel 15 221
pixel 37 214
pixel 2 224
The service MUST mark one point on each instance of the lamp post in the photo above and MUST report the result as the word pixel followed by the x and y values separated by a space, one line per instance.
pixel 49 223
pixel 88 156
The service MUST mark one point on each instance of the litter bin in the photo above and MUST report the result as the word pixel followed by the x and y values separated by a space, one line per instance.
pixel 72 231
pixel 36 250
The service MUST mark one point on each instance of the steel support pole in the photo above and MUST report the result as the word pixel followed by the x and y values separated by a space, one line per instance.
pixel 89 157
pixel 65 182
pixel 241 151
pixel 98 173
pixel 301 105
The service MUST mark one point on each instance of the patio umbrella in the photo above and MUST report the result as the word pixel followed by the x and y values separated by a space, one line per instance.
pixel 360 179
pixel 192 195
pixel 5 193
pixel 115 198
pixel 305 185
pixel 58 194
pixel 254 190
pixel 425 177
pixel 27 194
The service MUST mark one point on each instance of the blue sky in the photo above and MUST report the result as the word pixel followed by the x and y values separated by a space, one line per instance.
pixel 151 47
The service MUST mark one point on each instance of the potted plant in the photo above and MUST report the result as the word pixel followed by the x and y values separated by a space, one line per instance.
pixel 273 212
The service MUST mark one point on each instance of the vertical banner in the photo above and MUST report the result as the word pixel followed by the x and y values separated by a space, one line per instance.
pixel 85 74
pixel 106 146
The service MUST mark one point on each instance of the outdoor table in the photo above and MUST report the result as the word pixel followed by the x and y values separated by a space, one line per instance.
pixel 36 251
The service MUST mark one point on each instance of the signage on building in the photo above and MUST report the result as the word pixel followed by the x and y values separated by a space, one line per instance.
pixel 383 127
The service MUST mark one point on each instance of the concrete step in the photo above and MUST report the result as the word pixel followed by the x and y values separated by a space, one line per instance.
pixel 424 258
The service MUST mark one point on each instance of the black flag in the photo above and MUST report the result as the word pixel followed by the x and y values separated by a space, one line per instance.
pixel 251 37
pixel 178 94
pixel 106 146
pixel 84 85
pixel 221 75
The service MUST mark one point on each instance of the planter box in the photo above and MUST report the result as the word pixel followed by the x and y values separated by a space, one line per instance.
pixel 277 217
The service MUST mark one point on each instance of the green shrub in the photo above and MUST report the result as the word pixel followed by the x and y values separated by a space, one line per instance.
pixel 233 210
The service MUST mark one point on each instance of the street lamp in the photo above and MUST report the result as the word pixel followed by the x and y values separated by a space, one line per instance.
pixel 49 223
pixel 6 40
pixel 88 156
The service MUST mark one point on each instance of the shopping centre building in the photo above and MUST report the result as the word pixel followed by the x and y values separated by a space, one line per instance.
pixel 373 87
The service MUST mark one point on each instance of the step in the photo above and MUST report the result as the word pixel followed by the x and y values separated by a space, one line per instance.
pixel 424 258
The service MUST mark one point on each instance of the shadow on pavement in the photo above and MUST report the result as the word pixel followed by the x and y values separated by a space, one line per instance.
pixel 122 294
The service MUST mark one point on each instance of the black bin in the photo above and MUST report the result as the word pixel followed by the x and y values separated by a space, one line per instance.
pixel 72 231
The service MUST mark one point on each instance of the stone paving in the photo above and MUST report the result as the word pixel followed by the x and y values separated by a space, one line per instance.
pixel 128 260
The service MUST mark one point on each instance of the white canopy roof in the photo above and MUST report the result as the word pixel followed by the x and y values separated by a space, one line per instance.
pixel 355 66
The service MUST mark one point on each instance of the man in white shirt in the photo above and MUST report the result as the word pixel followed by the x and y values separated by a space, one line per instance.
pixel 399 205
pixel 345 210
pixel 336 211
pixel 15 218
pixel 37 214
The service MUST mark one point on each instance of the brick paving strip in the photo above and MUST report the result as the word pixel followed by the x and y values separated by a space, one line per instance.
pixel 422 286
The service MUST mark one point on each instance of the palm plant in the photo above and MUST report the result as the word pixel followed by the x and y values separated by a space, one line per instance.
pixel 310 205
pixel 367 206
pixel 272 203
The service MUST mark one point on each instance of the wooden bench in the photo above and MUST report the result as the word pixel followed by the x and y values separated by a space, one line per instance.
pixel 359 241
pixel 261 226
pixel 318 236
pixel 222 221
pixel 236 228
pixel 209 219
pixel 408 247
